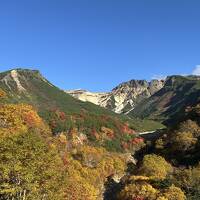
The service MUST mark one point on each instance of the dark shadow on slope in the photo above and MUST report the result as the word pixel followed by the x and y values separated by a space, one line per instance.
pixel 111 189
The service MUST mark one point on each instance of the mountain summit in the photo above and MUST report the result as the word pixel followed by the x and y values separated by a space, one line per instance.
pixel 124 97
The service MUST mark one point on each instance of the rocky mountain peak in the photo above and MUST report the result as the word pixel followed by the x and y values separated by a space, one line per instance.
pixel 155 85
pixel 132 83
pixel 122 98
pixel 18 79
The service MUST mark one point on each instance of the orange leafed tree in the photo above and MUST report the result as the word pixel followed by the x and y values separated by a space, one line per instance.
pixel 16 118
pixel 2 93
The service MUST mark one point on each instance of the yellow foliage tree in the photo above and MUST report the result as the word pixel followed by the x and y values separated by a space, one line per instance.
pixel 174 193
pixel 183 141
pixel 138 191
pixel 2 94
pixel 190 126
pixel 161 198
pixel 155 167
pixel 88 168
pixel 18 118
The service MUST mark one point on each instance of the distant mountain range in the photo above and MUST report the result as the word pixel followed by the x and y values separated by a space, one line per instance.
pixel 162 100
pixel 123 98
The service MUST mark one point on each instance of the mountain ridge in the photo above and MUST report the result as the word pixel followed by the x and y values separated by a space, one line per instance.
pixel 122 98
pixel 168 104
pixel 160 100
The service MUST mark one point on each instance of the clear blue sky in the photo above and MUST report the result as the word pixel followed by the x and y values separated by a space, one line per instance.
pixel 96 44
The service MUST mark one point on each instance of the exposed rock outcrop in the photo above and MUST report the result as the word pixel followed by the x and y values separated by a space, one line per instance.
pixel 123 98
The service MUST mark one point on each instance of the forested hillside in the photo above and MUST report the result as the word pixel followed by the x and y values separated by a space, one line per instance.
pixel 64 113
pixel 36 163
pixel 169 167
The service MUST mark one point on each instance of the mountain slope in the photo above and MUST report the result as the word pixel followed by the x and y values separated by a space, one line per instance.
pixel 62 112
pixel 123 98
pixel 29 86
pixel 169 103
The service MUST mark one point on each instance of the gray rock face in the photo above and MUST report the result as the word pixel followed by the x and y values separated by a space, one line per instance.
pixel 124 97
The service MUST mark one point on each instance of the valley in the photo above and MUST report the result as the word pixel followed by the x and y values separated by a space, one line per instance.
pixel 134 142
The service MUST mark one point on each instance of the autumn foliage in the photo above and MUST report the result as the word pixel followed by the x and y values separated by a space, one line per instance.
pixel 72 156
pixel 2 94
pixel 17 118
pixel 106 131
pixel 29 167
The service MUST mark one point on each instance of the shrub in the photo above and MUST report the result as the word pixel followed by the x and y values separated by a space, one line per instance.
pixel 155 166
